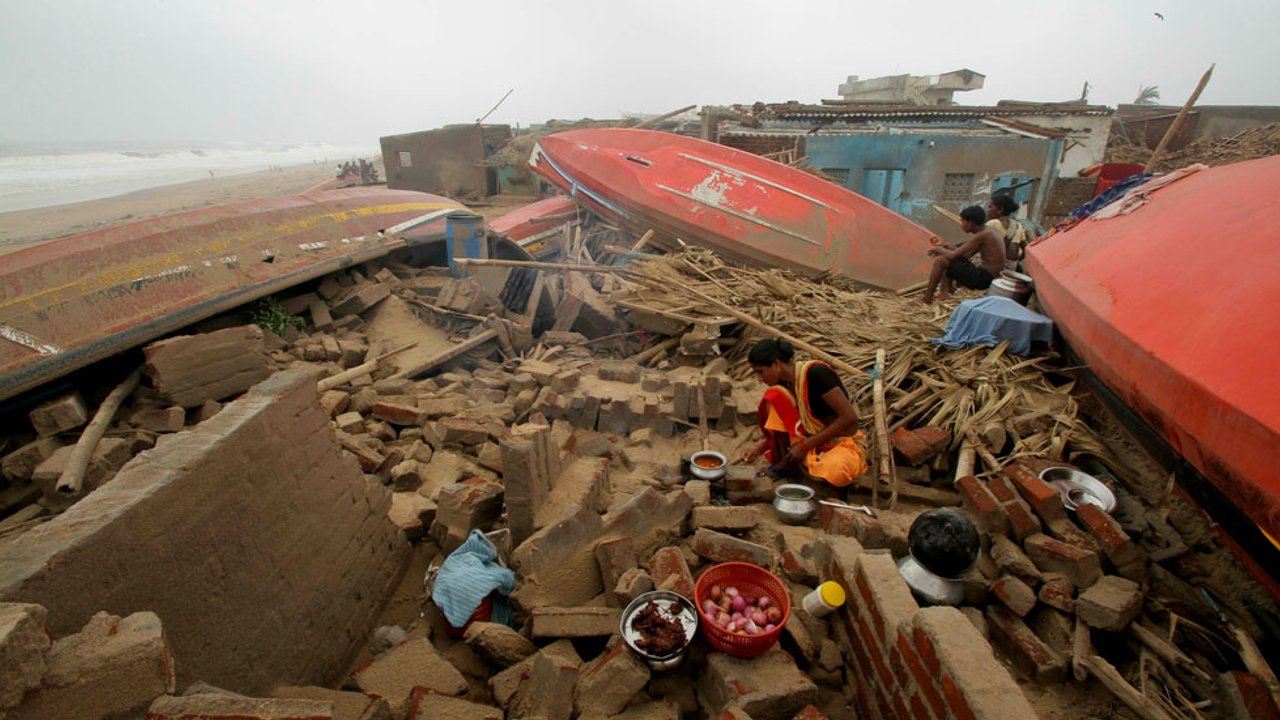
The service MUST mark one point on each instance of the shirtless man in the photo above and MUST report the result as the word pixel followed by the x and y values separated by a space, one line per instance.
pixel 952 263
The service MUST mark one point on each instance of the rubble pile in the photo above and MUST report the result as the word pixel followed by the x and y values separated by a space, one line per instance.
pixel 1257 142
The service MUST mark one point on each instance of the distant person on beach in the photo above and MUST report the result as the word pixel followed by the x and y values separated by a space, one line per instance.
pixel 953 264
pixel 210 174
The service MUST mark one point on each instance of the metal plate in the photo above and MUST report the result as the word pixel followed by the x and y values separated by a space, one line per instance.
pixel 684 612
pixel 1077 488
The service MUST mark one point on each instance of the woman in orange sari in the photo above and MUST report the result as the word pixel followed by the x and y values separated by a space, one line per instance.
pixel 806 417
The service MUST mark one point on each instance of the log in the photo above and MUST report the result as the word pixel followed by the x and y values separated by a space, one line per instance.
pixel 909 398
pixel 1177 121
pixel 1140 704
pixel 644 240
pixel 72 479
pixel 982 451
pixel 665 116
pixel 644 355
pixel 885 474
pixel 966 460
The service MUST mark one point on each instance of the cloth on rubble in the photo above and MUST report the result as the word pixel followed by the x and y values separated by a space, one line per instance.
pixel 785 422
pixel 993 319
pixel 1138 196
pixel 467 577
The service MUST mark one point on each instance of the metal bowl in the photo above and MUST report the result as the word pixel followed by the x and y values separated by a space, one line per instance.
pixel 794 504
pixel 671 606
pixel 704 473
pixel 930 586
pixel 1077 488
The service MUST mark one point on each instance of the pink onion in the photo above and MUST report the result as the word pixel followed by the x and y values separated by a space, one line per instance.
pixel 770 627
pixel 739 603
pixel 751 627
pixel 773 614
pixel 709 607
pixel 764 601
pixel 757 617
pixel 731 591
pixel 722 620
pixel 717 592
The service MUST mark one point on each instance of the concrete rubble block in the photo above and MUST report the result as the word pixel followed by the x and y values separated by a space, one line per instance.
pixel 1042 497
pixel 1081 566
pixel 429 704
pixel 1015 594
pixel 1055 628
pixel 490 456
pixel 18 466
pixel 744 485
pixel 469 505
pixel 557 564
pixel 398 413
pixel 23 646
pixel 796 557
pixel 332 353
pixel 631 585
pixel 1010 559
pixel 108 457
pixel 530 465
pixel 347 705
pixel 719 547
pixel 1110 603
pixel 65 412
pixel 1058 592
pixel 982 506
pixel 565 381
pixel 619 371
pixel 650 518
pixel 322 319
pixel 920 445
pixel 189 369
pixel 407 475
pixel 498 644
pixel 615 418
pixel 767 687
pixel 443 407
pixel 353 352
pixel 582 483
pixel 974 683
pixel 1031 657
pixel 413 663
pixel 359 299
pixel 670 572
pixel 665 709
pixel 463 431
pixel 159 420
pixel 574 622
pixel 362 400
pixel 699 492
pixel 615 557
pixel 220 706
pixel 547 690
pixel 504 684
pixel 607 684
pixel 334 402
pixel 112 667
pixel 725 519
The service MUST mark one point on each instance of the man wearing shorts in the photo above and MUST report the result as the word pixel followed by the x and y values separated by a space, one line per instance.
pixel 953 264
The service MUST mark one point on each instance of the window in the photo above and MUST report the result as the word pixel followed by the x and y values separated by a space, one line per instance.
pixel 406 159
pixel 957 188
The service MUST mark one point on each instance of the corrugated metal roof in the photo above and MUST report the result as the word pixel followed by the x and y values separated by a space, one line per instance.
pixel 797 111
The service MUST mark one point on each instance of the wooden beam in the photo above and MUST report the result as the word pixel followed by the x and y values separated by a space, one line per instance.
pixel 72 478
pixel 1177 122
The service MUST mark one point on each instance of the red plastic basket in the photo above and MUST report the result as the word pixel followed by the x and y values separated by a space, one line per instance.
pixel 752 580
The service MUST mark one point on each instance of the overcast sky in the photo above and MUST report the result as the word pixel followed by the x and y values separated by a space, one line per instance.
pixel 353 70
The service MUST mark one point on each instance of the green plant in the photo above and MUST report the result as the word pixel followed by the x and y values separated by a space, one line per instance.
pixel 268 314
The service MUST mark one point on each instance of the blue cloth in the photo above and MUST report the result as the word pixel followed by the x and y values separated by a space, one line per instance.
pixel 467 577
pixel 991 319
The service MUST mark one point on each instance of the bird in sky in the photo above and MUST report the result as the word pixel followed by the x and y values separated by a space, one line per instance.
pixel 1158 15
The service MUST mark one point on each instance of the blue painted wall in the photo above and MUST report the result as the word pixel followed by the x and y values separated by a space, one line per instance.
pixel 867 165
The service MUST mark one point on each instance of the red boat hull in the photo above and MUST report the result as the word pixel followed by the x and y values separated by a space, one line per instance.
pixel 1173 307
pixel 67 303
pixel 736 203
pixel 536 226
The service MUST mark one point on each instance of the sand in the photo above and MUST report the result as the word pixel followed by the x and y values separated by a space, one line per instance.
pixel 25 227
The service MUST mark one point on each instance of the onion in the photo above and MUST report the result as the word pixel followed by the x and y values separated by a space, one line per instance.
pixel 709 607
pixel 717 592
pixel 722 620
pixel 764 602
pixel 739 603
pixel 731 591
pixel 773 614
pixel 757 617
pixel 770 627
pixel 751 627
pixel 751 599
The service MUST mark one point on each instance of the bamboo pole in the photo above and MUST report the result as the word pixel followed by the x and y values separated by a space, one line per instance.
pixel 72 478
pixel 885 474
pixel 902 402
pixel 1081 648
pixel 982 451
pixel 665 116
pixel 643 356
pixel 1177 121
pixel 966 460
pixel 347 376
pixel 644 239
pixel 1111 678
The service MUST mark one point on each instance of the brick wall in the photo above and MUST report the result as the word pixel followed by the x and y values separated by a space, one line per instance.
pixel 913 663
pixel 266 555
pixel 1068 194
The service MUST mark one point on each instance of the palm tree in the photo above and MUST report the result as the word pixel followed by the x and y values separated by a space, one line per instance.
pixel 1148 95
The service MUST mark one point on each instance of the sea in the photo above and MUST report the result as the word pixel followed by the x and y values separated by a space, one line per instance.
pixel 34 175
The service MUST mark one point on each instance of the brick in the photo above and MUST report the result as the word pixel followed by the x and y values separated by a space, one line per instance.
pixel 728 519
pixel 620 371
pixel 18 465
pixel 884 596
pixel 347 705
pixel 982 506
pixel 1071 534
pixel 1010 559
pixel 65 412
pixel 652 519
pixel 670 572
pixel 505 684
pixel 1244 696
pixel 1055 628
pixel 574 622
pixel 923 678
pixel 970 678
pixel 221 706
pixel 615 556
pixel 1124 554
pixel 1058 592
pixel 631 585
pixel 398 413
pixel 1015 594
pixel 108 457
pixel 159 420
pixel 359 299
pixel 189 369
pixel 1022 522
pixel 699 492
pixel 547 691
pixel 23 645
pixel 530 465
pixel 1039 495
pixel 851 523
pixel 1050 555
pixel 766 687
pixel 426 704
pixel 607 684
pixel 113 667
pixel 1110 603
pixel 498 644
pixel 407 475
pixel 334 402
pixel 463 431
pixel 719 547
pixel 413 663
pixel 921 445
pixel 565 381
pixel 1030 655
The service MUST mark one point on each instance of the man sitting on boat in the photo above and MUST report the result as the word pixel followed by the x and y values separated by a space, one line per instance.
pixel 805 415
pixel 953 263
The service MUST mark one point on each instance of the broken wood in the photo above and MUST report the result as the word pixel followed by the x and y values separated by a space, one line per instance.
pixel 644 239
pixel 965 460
pixel 347 376
pixel 1167 652
pixel 983 451
pixel 1177 121
pixel 1081 648
pixel 885 474
pixel 702 417
pixel 1257 664
pixel 72 479
pixel 643 356
pixel 665 116
pixel 906 400
pixel 1111 678
pixel 408 297
pixel 441 358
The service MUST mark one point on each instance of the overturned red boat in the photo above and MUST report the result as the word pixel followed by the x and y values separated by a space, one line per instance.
pixel 1173 307
pixel 736 203
pixel 67 303
pixel 536 226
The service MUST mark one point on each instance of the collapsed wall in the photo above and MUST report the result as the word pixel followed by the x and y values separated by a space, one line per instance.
pixel 266 553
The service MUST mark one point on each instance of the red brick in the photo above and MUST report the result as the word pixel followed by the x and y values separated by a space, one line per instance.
pixel 217 706
pixel 978 500
pixel 1119 548
pixel 1069 533
pixel 719 547
pixel 919 446
pixel 810 712
pixel 875 653
pixel 955 699
pixel 1039 494
pixel 1015 594
pixel 1058 592
pixel 1004 490
pixel 398 413
pixel 924 680
pixel 670 572
pixel 1081 566
pixel 918 709
pixel 1022 522
pixel 900 707
pixel 1030 655
pixel 928 654
pixel 851 523
pixel 1246 697
pixel 615 556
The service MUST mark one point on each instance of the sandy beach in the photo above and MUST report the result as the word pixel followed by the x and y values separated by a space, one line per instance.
pixel 24 227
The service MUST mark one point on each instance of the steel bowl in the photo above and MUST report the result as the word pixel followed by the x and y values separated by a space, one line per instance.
pixel 712 473
pixel 930 586
pixel 672 606
pixel 794 504
pixel 1077 488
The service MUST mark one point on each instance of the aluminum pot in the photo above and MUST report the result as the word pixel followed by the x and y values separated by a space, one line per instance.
pixel 708 473
pixel 794 504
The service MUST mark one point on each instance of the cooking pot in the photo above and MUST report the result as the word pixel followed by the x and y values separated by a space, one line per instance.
pixel 794 504
pixel 708 473
pixel 944 542
pixel 1003 287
